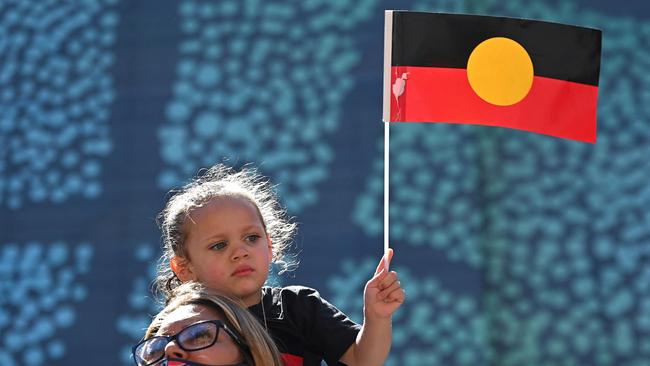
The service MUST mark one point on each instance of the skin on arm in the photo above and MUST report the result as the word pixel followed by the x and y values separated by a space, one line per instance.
pixel 383 294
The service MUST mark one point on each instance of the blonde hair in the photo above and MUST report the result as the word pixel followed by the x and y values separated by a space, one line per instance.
pixel 236 317
pixel 220 181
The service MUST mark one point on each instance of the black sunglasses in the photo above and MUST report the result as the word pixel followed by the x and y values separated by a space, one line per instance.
pixel 194 337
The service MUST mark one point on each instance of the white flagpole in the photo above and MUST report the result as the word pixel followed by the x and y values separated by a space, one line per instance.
pixel 388 45
pixel 386 188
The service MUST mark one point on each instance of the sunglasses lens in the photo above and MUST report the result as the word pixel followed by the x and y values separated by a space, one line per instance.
pixel 198 336
pixel 150 351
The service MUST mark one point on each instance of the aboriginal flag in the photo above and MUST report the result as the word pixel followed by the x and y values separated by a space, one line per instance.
pixel 529 75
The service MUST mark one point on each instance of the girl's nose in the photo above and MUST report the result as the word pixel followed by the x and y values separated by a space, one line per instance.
pixel 240 253
pixel 173 350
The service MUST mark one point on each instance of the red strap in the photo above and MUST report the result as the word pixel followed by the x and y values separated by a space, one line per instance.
pixel 291 360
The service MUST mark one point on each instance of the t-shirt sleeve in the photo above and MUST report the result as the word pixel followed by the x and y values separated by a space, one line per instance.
pixel 326 329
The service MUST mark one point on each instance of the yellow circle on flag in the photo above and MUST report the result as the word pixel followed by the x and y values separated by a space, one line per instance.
pixel 500 71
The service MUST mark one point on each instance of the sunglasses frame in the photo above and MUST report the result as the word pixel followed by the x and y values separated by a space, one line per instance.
pixel 235 337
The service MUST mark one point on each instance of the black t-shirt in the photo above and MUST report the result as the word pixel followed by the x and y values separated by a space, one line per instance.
pixel 305 327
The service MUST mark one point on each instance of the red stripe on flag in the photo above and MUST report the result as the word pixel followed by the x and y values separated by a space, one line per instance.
pixel 552 107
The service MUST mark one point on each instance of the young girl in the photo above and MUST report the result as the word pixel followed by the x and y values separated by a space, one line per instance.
pixel 225 228
pixel 201 327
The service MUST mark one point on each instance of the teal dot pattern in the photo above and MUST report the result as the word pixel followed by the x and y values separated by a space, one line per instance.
pixel 434 327
pixel 55 95
pixel 141 303
pixel 442 6
pixel 437 191
pixel 597 245
pixel 41 285
pixel 558 229
pixel 261 79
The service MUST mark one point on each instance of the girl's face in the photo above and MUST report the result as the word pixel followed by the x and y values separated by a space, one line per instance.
pixel 223 352
pixel 227 248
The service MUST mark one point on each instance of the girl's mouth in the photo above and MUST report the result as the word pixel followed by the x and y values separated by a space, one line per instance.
pixel 243 271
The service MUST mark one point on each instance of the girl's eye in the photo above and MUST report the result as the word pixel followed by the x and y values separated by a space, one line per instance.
pixel 252 238
pixel 218 246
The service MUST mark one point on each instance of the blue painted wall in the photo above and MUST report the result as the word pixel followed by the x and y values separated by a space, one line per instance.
pixel 514 248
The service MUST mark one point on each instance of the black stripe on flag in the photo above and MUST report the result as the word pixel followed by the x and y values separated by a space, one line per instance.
pixel 558 51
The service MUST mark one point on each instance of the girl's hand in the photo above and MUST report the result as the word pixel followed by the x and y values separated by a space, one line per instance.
pixel 383 293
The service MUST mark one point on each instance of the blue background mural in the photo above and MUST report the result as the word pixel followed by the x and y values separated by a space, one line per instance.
pixel 514 248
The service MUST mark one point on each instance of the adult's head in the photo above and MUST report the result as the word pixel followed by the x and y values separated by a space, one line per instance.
pixel 202 327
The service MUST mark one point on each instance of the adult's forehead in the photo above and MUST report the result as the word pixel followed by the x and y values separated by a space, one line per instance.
pixel 184 316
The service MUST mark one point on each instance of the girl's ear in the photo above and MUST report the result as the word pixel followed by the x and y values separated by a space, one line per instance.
pixel 182 268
